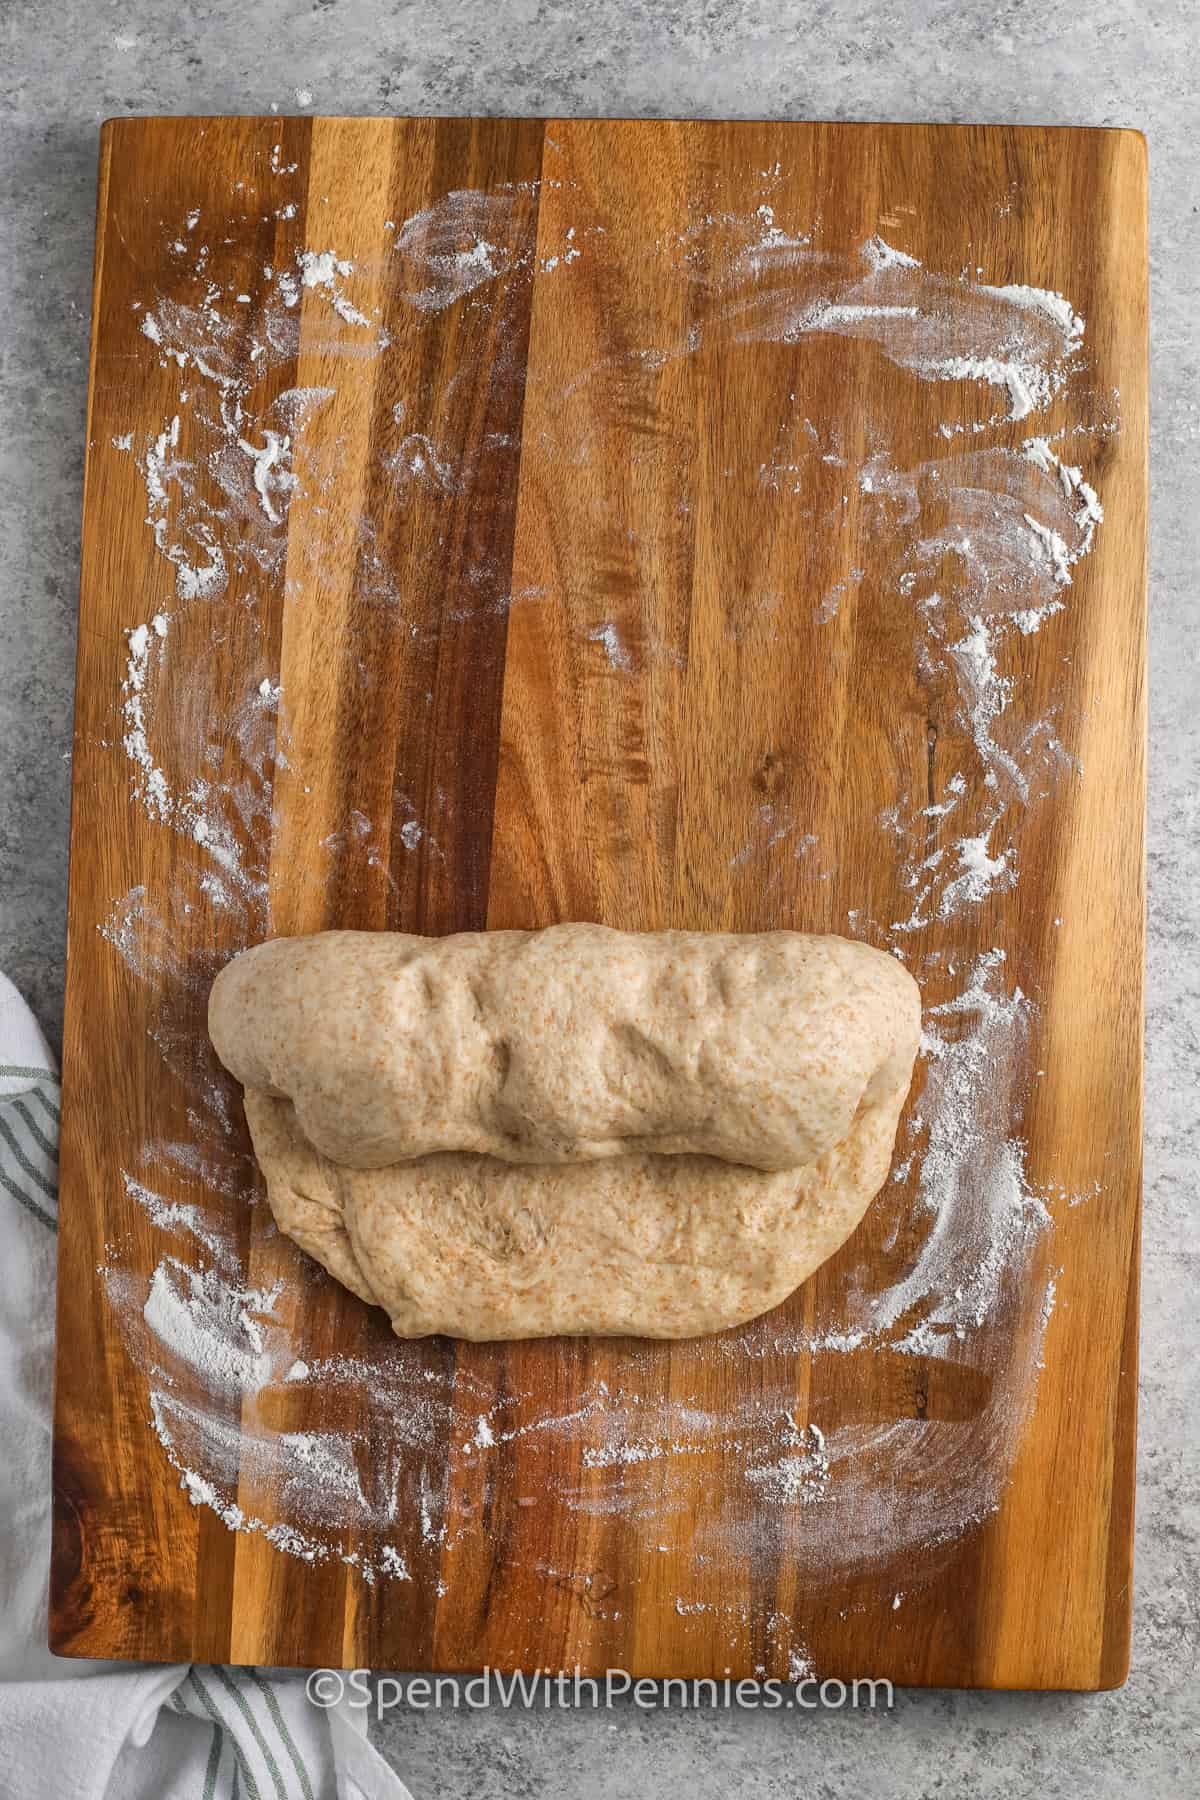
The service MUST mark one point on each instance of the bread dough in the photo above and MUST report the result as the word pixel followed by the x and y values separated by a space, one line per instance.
pixel 642 1245
pixel 565 1045
pixel 519 1134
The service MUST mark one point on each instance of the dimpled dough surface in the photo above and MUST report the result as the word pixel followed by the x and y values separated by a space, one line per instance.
pixel 518 1134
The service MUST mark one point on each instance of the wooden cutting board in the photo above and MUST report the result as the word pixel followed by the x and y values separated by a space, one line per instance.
pixel 495 522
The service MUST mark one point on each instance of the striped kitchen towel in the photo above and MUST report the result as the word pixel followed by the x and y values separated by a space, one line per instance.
pixel 74 1730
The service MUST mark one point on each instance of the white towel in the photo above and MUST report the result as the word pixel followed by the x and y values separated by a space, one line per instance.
pixel 74 1730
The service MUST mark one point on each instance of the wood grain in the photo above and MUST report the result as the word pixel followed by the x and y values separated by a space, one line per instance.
pixel 592 681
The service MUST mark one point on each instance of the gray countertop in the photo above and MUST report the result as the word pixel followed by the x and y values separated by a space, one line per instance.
pixel 1131 62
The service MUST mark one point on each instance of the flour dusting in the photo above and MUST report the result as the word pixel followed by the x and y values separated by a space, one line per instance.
pixel 984 1220
pixel 976 542
pixel 615 650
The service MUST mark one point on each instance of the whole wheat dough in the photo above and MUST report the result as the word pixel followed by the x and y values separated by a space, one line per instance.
pixel 518 1134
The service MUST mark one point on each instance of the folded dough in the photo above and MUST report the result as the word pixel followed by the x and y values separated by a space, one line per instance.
pixel 520 1134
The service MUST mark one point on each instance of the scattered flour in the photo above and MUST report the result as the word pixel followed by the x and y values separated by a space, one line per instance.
pixel 460 244
pixel 322 270
pixel 150 783
pixel 176 1217
pixel 984 1219
pixel 614 649
pixel 979 547
pixel 273 477
pixel 801 1474
pixel 210 1328
pixel 417 460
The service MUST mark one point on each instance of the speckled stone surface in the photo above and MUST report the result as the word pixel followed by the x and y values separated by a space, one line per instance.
pixel 1131 62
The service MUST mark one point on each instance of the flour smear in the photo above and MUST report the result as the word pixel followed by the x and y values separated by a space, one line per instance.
pixel 249 483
